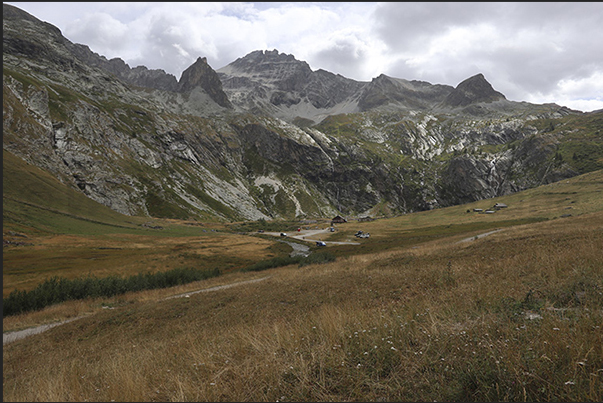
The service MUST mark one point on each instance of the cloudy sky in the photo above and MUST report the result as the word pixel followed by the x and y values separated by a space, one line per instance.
pixel 535 52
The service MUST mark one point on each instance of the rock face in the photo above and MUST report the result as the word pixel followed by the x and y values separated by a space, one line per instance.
pixel 276 84
pixel 139 76
pixel 266 137
pixel 201 75
pixel 473 90
pixel 390 93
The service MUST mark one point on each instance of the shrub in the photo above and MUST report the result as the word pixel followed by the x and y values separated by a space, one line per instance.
pixel 274 262
pixel 317 258
pixel 314 258
pixel 55 290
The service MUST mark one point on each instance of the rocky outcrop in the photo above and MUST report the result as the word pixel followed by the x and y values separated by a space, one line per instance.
pixel 473 90
pixel 276 84
pixel 222 145
pixel 200 74
pixel 139 76
pixel 385 91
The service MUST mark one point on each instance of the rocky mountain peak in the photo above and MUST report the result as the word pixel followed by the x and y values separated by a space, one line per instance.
pixel 257 58
pixel 19 27
pixel 282 70
pixel 200 74
pixel 473 90
pixel 350 147
pixel 13 13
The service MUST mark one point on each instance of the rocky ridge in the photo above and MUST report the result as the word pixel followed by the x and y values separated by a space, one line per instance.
pixel 265 137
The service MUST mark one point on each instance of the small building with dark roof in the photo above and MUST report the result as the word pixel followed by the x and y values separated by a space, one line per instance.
pixel 338 219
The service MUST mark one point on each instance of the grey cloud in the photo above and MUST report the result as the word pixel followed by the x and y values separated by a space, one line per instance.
pixel 534 45
pixel 101 32
pixel 410 26
pixel 166 46
pixel 342 57
pixel 522 48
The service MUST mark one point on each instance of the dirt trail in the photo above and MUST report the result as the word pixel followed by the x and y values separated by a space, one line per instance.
pixel 9 337
pixel 13 336
pixel 471 238
pixel 218 287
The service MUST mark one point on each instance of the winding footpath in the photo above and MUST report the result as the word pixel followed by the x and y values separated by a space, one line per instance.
pixel 472 238
pixel 298 249
pixel 9 337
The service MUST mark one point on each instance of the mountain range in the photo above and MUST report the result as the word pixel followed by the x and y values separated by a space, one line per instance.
pixel 266 137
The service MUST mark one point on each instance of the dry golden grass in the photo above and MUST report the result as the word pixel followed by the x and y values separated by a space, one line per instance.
pixel 437 321
pixel 72 256
pixel 79 308
pixel 580 195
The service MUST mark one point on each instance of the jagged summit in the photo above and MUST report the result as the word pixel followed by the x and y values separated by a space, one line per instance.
pixel 261 60
pixel 142 142
pixel 277 84
pixel 280 70
pixel 200 74
pixel 472 90
pixel 396 93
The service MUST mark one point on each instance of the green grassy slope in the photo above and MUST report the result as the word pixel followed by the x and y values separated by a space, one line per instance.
pixel 35 200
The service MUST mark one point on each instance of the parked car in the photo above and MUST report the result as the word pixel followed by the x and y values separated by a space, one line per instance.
pixel 283 234
pixel 321 243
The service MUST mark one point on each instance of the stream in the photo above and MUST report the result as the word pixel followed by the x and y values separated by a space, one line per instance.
pixel 298 249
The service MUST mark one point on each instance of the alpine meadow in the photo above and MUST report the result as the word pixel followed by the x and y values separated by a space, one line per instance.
pixel 266 232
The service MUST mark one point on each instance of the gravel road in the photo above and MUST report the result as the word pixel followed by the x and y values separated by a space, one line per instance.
pixel 305 235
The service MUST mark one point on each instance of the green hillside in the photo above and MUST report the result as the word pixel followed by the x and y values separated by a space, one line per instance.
pixel 33 200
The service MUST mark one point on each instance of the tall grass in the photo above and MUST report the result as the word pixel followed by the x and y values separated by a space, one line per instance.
pixel 59 289
pixel 515 316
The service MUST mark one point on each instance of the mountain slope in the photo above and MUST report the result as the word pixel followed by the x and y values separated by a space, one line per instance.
pixel 276 84
pixel 472 90
pixel 222 145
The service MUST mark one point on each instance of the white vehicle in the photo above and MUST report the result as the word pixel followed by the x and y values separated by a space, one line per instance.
pixel 283 234
pixel 321 243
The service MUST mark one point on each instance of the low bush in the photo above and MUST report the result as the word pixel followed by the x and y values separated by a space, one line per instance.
pixel 274 262
pixel 317 258
pixel 57 289
pixel 314 258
